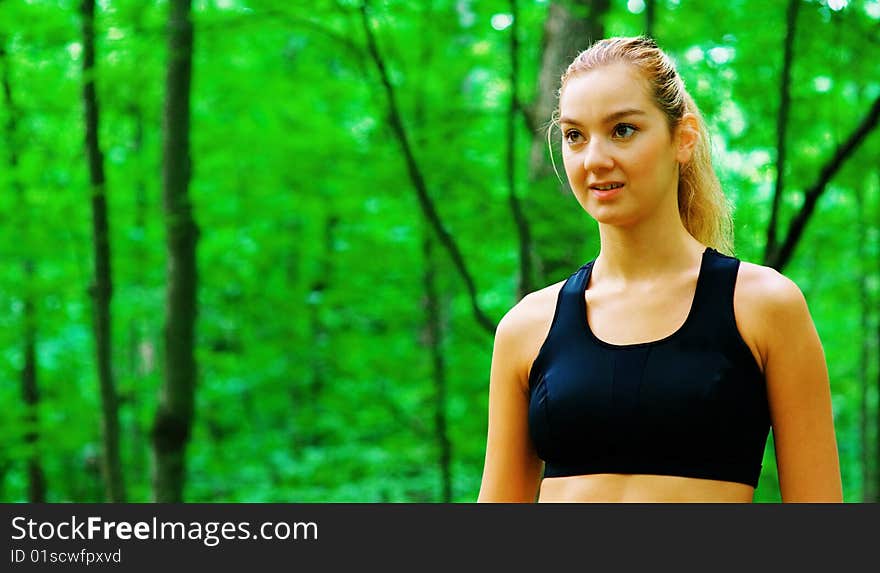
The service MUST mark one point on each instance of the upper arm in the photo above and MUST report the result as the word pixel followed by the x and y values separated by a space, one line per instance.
pixel 798 394
pixel 512 469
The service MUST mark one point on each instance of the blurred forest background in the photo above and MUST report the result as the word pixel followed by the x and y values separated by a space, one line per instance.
pixel 255 250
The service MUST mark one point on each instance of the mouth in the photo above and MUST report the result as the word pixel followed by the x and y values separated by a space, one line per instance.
pixel 606 190
pixel 606 186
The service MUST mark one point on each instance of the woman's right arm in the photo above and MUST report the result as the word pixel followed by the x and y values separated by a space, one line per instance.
pixel 512 470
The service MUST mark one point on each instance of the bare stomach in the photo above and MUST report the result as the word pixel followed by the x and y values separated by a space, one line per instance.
pixel 641 488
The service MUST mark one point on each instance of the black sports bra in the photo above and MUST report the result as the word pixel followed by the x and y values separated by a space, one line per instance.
pixel 692 404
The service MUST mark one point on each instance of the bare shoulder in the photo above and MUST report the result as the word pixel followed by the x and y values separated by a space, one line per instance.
pixel 532 309
pixel 522 330
pixel 768 291
pixel 767 305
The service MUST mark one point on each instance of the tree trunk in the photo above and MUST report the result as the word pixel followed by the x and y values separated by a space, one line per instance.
pixel 102 289
pixel 571 27
pixel 30 393
pixel 433 337
pixel 864 336
pixel 516 208
pixel 174 417
pixel 650 18
pixel 142 325
pixel 782 124
pixel 875 497
pixel 318 327
pixel 5 466
pixel 307 402
pixel 432 334
pixel 141 347
pixel 29 390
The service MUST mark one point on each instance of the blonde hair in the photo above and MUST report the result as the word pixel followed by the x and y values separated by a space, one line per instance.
pixel 702 205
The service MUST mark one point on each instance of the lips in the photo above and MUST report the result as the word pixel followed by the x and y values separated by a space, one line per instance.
pixel 606 190
pixel 605 186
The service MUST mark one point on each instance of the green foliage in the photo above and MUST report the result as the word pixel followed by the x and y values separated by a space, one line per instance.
pixel 316 380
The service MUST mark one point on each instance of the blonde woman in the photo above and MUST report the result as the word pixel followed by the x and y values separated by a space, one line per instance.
pixel 655 372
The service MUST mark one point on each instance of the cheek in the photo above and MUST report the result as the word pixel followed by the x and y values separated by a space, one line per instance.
pixel 572 166
pixel 652 160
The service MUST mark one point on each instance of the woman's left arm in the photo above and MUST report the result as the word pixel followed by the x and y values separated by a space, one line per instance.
pixel 799 396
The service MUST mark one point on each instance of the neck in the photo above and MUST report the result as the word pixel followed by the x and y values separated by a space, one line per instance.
pixel 647 251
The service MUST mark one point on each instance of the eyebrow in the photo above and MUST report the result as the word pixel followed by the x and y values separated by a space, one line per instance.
pixel 608 118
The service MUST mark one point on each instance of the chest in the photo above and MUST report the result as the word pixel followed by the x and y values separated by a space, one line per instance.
pixel 688 390
pixel 638 315
pixel 641 315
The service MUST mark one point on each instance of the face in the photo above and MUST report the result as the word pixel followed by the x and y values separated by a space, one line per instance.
pixel 620 157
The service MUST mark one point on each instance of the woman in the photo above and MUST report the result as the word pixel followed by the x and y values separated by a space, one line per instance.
pixel 654 372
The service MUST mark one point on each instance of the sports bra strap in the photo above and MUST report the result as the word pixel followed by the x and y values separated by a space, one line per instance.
pixel 713 299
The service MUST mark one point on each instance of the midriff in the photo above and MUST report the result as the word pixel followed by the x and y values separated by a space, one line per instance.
pixel 642 488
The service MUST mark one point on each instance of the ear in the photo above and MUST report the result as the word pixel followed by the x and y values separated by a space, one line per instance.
pixel 687 134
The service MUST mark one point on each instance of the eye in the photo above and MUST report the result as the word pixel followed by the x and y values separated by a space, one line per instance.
pixel 570 135
pixel 624 130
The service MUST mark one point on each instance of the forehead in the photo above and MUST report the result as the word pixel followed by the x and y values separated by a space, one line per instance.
pixel 588 96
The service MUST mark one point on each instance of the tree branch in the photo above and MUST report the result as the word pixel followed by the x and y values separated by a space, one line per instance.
pixel 782 124
pixel 528 116
pixel 780 258
pixel 418 181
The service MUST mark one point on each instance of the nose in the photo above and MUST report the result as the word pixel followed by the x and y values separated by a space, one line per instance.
pixel 597 156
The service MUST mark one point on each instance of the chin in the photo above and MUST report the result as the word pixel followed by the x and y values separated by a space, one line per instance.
pixel 608 215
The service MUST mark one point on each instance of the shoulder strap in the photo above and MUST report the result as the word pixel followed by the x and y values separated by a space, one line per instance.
pixel 565 324
pixel 713 300
pixel 568 317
